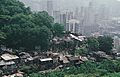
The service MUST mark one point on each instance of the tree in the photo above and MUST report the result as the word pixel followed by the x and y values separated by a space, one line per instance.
pixel 2 37
pixel 25 29
pixel 17 30
pixel 27 37
pixel 43 37
pixel 43 19
pixel 112 75
pixel 58 29
pixel 9 8
pixel 22 28
pixel 92 44
pixel 13 7
pixel 81 51
pixel 105 43
pixel 110 65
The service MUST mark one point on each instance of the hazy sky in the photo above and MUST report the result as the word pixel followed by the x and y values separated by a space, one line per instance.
pixel 71 4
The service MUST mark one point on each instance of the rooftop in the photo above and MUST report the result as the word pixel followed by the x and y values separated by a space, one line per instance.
pixel 73 58
pixel 9 57
pixel 77 38
pixel 46 59
pixel 2 63
pixel 64 59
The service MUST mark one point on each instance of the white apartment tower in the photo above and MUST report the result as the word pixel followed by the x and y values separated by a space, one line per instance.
pixel 73 26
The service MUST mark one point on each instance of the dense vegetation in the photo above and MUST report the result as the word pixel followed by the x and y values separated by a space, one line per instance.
pixel 106 68
pixel 20 28
pixel 92 44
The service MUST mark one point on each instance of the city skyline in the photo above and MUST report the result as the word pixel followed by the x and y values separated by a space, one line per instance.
pixel 94 16
pixel 70 4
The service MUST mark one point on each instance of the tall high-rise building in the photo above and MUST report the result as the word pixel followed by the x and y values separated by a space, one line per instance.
pixel 77 15
pixel 69 15
pixel 63 19
pixel 56 15
pixel 88 19
pixel 50 7
pixel 103 12
pixel 73 26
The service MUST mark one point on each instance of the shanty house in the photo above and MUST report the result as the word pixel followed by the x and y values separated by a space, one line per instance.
pixel 25 57
pixel 9 58
pixel 8 63
pixel 101 55
pixel 74 60
pixel 63 60
pixel 46 63
pixel 3 63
